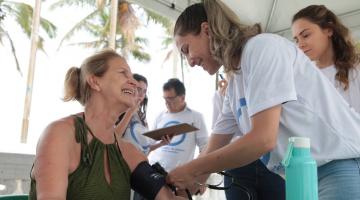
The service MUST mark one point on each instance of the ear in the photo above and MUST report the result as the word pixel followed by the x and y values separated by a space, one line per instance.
pixel 205 28
pixel 329 32
pixel 93 82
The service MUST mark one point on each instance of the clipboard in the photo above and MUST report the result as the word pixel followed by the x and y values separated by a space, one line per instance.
pixel 171 131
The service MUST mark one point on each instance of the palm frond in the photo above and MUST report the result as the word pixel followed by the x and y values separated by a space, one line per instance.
pixel 81 24
pixel 69 3
pixel 96 44
pixel 167 42
pixel 23 16
pixel 159 19
pixel 49 27
pixel 13 51
pixel 140 55
pixel 141 40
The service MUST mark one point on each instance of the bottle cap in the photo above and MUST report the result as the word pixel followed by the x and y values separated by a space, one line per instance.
pixel 300 142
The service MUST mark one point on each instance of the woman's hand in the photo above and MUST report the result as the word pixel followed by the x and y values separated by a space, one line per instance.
pixel 182 177
pixel 165 140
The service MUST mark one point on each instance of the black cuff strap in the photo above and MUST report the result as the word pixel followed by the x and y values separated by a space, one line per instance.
pixel 146 181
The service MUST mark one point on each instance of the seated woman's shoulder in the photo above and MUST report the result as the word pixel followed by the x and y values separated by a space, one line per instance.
pixel 61 129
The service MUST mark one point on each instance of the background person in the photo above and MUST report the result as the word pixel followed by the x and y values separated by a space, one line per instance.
pixel 324 39
pixel 133 123
pixel 182 147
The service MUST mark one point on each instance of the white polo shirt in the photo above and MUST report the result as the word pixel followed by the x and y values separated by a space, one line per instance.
pixel 352 94
pixel 182 147
pixel 275 72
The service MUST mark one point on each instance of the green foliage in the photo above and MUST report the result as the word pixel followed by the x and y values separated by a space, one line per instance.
pixel 22 14
pixel 97 24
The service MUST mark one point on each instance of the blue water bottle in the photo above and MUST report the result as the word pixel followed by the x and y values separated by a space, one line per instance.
pixel 300 170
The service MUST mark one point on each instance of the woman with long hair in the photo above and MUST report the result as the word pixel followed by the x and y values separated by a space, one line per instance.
pixel 325 40
pixel 133 124
pixel 274 92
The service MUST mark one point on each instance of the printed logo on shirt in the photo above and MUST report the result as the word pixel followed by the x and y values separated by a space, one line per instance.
pixel 134 137
pixel 278 169
pixel 175 140
pixel 242 103
pixel 265 158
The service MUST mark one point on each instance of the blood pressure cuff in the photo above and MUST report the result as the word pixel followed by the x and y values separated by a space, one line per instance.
pixel 146 181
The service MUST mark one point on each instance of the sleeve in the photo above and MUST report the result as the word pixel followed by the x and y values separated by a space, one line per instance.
pixel 226 122
pixel 217 107
pixel 202 133
pixel 156 121
pixel 267 64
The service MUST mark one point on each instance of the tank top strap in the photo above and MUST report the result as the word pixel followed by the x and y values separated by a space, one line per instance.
pixel 81 137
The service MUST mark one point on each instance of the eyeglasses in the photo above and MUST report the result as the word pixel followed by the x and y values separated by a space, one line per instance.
pixel 170 99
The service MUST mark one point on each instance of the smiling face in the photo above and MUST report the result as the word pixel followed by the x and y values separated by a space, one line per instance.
pixel 314 41
pixel 141 91
pixel 117 84
pixel 196 49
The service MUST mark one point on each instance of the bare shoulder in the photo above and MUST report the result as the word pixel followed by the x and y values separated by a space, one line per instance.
pixel 61 130
pixel 56 143
pixel 131 154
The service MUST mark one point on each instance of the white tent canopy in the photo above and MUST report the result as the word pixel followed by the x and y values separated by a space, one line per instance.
pixel 273 15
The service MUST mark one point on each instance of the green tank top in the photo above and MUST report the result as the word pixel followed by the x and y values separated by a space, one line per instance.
pixel 88 180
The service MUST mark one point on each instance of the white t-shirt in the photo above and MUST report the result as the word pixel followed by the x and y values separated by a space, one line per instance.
pixel 352 94
pixel 134 133
pixel 218 100
pixel 273 72
pixel 182 147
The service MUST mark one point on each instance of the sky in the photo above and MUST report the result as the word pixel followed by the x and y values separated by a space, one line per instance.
pixel 51 67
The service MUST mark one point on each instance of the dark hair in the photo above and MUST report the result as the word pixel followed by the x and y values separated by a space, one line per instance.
pixel 345 53
pixel 143 104
pixel 175 84
pixel 187 23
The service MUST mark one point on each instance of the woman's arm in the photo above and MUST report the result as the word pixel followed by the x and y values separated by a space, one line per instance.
pixel 52 161
pixel 134 157
pixel 261 139
pixel 165 140
pixel 123 124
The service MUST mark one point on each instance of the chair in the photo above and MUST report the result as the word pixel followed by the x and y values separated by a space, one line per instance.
pixel 14 197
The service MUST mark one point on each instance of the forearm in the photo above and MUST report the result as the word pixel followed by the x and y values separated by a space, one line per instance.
pixel 123 124
pixel 155 146
pixel 216 141
pixel 239 153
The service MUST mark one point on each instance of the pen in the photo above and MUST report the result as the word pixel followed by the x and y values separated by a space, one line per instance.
pixel 221 76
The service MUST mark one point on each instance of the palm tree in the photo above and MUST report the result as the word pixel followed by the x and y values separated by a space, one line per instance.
pixel 97 24
pixel 22 14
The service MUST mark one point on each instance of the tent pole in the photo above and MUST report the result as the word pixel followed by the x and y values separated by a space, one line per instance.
pixel 31 71
pixel 113 22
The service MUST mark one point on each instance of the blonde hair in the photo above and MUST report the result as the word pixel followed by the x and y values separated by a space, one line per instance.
pixel 228 35
pixel 75 84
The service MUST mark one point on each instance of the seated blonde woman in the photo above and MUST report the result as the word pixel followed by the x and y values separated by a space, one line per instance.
pixel 79 156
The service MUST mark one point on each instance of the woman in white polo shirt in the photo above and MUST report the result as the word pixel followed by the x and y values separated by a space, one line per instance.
pixel 326 41
pixel 274 92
